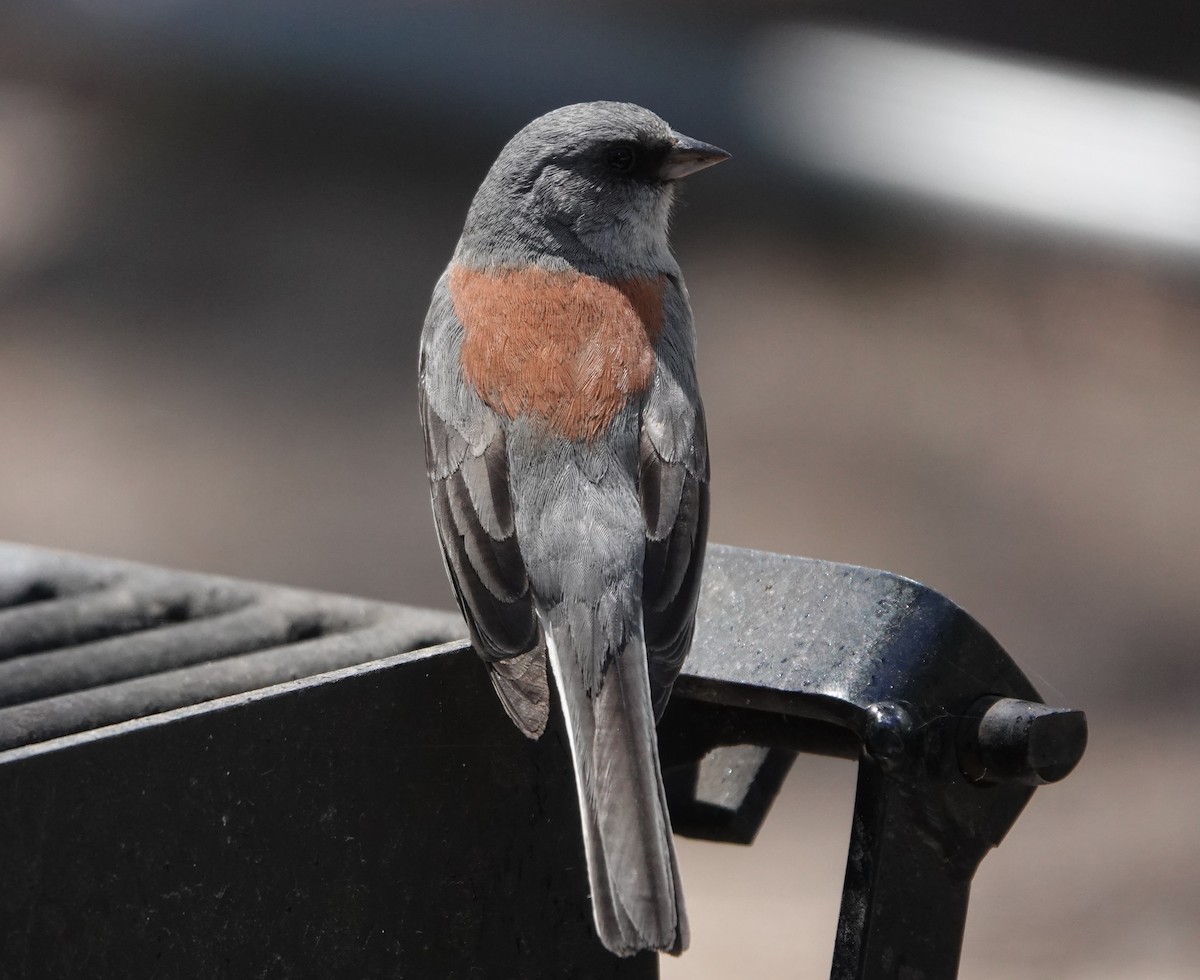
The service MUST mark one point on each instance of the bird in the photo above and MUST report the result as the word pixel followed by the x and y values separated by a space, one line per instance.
pixel 567 455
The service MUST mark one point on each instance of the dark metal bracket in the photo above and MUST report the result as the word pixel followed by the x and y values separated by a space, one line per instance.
pixel 794 654
pixel 208 778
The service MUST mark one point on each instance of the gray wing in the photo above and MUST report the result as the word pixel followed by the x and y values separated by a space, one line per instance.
pixel 466 458
pixel 673 484
pixel 675 505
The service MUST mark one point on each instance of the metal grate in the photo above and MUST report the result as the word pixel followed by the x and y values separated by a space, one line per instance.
pixel 87 642
pixel 185 841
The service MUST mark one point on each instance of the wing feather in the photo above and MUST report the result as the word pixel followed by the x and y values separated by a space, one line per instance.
pixel 675 508
pixel 472 508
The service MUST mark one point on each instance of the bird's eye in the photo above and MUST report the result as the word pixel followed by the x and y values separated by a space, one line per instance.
pixel 622 158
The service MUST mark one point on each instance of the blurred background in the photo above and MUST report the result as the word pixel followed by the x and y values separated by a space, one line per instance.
pixel 948 297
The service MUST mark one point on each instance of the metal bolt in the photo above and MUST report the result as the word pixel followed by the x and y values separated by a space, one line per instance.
pixel 1010 740
pixel 887 736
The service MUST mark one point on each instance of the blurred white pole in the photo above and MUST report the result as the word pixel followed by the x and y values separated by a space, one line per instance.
pixel 984 132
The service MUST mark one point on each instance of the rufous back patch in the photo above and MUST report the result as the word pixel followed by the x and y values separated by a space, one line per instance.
pixel 567 347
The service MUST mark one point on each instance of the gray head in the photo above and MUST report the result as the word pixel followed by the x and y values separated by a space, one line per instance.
pixel 588 186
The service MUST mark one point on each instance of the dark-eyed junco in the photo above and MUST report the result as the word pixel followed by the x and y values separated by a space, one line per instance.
pixel 568 461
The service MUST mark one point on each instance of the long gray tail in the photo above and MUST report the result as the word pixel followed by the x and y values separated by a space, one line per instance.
pixel 636 896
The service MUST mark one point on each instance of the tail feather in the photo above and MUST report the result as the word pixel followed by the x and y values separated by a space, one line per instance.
pixel 636 896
